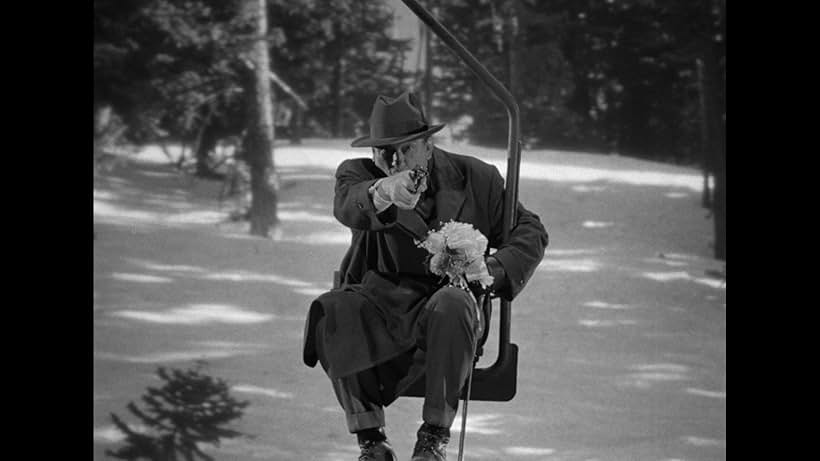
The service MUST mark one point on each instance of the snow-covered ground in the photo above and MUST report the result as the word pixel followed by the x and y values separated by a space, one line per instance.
pixel 622 329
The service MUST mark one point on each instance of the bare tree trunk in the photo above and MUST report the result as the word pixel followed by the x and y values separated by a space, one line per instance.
pixel 705 139
pixel 295 122
pixel 717 159
pixel 428 73
pixel 402 59
pixel 715 88
pixel 260 156
pixel 422 33
pixel 296 126
pixel 337 98
pixel 206 143
pixel 511 39
pixel 715 118
pixel 336 83
pixel 720 127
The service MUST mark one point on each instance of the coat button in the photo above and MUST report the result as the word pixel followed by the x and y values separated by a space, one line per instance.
pixel 359 204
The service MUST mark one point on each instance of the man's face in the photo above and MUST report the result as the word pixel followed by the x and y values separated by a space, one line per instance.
pixel 411 154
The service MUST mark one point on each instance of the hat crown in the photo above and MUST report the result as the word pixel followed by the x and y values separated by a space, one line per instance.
pixel 391 118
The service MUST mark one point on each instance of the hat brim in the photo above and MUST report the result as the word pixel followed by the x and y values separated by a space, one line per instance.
pixel 367 141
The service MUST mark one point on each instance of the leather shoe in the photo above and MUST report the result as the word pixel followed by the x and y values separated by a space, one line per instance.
pixel 377 451
pixel 431 444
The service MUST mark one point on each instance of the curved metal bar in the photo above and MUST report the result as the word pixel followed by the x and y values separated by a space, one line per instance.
pixel 513 153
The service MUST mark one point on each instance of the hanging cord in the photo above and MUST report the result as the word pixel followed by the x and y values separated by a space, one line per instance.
pixel 464 415
pixel 478 333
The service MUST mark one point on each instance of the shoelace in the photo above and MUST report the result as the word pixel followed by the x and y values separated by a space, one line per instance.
pixel 432 443
pixel 367 450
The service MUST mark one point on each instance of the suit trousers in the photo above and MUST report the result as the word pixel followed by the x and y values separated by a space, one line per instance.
pixel 447 329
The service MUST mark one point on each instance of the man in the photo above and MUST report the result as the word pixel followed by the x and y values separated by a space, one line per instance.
pixel 392 321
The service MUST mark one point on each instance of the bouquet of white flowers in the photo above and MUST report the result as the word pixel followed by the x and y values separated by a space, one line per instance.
pixel 457 252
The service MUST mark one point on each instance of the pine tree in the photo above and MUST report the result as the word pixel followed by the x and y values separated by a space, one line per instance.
pixel 189 409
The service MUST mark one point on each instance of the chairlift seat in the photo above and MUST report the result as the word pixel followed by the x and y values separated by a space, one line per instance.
pixel 496 384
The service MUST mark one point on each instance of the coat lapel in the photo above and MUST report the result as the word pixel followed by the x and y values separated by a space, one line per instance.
pixel 450 182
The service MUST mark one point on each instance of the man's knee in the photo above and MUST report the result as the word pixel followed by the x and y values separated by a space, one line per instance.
pixel 452 304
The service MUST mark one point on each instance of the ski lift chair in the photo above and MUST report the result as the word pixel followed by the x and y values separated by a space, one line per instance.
pixel 497 382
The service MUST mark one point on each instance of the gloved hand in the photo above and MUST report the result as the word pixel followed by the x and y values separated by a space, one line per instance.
pixel 497 271
pixel 398 189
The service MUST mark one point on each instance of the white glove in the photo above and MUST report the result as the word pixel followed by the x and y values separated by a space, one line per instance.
pixel 398 190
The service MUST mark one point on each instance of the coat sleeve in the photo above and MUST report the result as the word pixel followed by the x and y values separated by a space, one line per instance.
pixel 352 204
pixel 524 249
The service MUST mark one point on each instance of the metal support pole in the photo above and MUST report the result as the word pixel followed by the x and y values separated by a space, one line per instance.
pixel 513 149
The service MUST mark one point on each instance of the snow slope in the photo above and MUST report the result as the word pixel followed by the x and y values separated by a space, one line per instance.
pixel 622 329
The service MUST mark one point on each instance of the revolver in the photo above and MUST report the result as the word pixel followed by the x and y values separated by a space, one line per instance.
pixel 418 174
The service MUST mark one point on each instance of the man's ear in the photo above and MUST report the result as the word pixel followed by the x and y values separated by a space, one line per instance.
pixel 378 159
pixel 428 145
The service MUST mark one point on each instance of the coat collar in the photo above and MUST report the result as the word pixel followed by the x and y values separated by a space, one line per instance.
pixel 448 182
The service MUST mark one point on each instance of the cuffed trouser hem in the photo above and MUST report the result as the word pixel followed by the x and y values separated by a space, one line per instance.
pixel 442 417
pixel 361 421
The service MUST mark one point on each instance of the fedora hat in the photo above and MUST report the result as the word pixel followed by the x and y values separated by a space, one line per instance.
pixel 394 121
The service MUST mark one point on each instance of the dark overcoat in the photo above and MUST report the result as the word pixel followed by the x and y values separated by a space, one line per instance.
pixel 371 318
